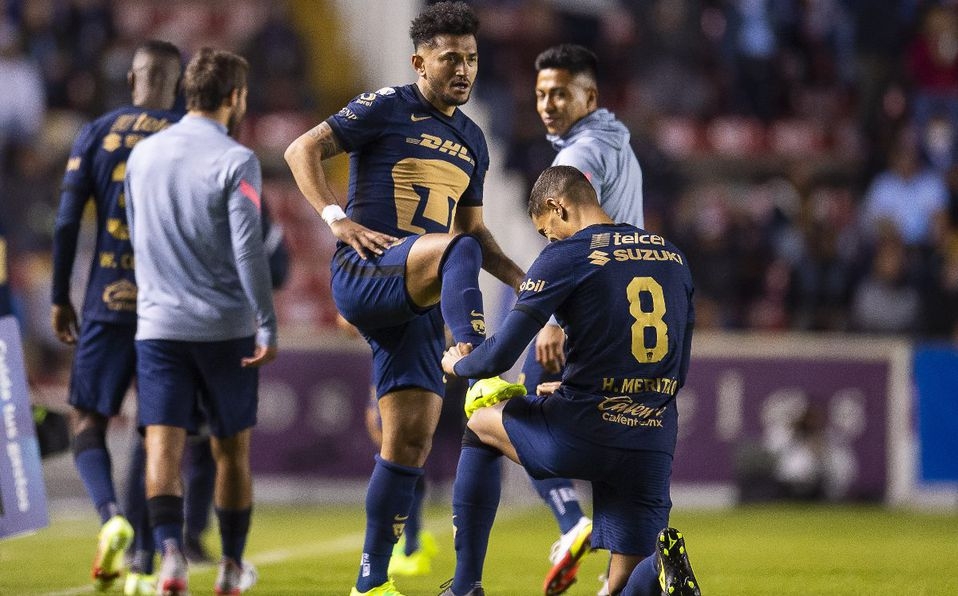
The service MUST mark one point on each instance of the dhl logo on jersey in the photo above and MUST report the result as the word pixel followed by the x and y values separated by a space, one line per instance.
pixel 443 146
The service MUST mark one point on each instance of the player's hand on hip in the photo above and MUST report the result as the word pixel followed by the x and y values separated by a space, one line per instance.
pixel 453 355
pixel 262 355
pixel 63 319
pixel 549 348
pixel 361 238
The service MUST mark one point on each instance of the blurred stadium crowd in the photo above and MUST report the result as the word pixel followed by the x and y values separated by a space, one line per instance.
pixel 804 153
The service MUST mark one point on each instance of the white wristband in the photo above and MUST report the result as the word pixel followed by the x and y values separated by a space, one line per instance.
pixel 332 213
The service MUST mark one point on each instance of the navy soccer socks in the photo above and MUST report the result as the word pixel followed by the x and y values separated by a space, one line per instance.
pixel 95 468
pixel 414 523
pixel 166 519
pixel 234 528
pixel 475 499
pixel 461 299
pixel 389 498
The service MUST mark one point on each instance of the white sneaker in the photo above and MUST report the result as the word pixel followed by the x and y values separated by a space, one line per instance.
pixel 234 578
pixel 249 577
pixel 566 553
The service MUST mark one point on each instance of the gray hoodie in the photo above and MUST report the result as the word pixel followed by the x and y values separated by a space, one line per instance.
pixel 194 211
pixel 598 146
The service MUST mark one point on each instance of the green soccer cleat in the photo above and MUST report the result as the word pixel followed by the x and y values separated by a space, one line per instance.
pixel 567 553
pixel 115 535
pixel 386 589
pixel 675 571
pixel 417 563
pixel 489 392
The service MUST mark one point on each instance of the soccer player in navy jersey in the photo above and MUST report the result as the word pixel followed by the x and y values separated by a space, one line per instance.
pixel 595 142
pixel 104 362
pixel 624 299
pixel 412 237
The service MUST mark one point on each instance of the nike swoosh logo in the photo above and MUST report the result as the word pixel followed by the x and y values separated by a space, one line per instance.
pixel 476 314
pixel 416 118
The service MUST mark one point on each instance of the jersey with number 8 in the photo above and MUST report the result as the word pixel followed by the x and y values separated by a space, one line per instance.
pixel 626 305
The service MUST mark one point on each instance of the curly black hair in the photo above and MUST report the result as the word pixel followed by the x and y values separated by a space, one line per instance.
pixel 443 18
pixel 569 56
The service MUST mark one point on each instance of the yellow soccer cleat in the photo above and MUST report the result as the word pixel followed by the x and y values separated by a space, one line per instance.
pixel 386 589
pixel 417 563
pixel 138 584
pixel 115 535
pixel 489 392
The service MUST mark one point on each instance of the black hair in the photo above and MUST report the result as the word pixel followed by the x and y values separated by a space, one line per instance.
pixel 159 49
pixel 569 56
pixel 443 18
pixel 559 181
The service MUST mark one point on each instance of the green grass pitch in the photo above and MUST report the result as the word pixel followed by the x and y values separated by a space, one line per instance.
pixel 755 550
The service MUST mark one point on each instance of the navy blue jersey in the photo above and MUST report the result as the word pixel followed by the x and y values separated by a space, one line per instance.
pixel 410 165
pixel 95 171
pixel 624 298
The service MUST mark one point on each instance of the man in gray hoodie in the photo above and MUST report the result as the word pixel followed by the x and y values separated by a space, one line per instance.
pixel 592 140
pixel 205 317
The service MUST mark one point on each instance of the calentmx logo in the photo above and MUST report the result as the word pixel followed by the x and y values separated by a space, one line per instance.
pixel 532 285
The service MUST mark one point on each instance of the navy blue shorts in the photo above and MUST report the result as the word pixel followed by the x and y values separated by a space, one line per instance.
pixel 407 341
pixel 103 367
pixel 177 379
pixel 630 488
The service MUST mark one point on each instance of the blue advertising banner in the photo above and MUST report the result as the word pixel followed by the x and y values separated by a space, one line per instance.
pixel 936 376
pixel 23 505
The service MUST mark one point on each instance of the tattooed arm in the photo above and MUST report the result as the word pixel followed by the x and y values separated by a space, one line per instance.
pixel 305 157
